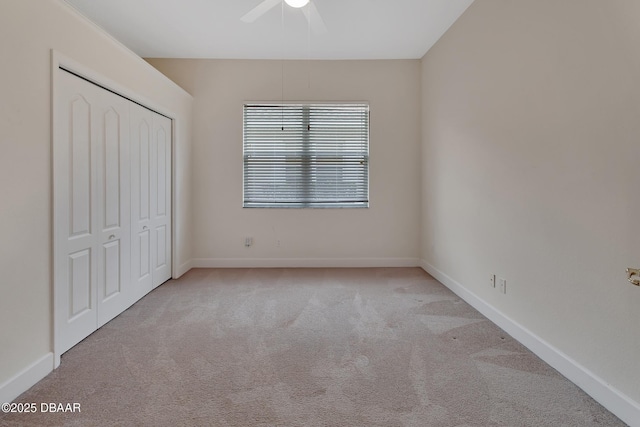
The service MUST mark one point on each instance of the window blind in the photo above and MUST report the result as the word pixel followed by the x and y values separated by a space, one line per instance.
pixel 306 155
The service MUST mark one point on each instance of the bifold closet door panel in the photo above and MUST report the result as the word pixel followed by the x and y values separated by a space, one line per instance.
pixel 91 208
pixel 141 226
pixel 114 209
pixel 161 199
pixel 75 215
pixel 150 199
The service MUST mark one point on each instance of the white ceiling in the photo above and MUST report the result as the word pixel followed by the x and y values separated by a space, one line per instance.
pixel 356 29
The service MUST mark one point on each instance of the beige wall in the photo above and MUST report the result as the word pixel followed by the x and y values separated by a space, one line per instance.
pixel 528 160
pixel 531 125
pixel 385 234
pixel 29 29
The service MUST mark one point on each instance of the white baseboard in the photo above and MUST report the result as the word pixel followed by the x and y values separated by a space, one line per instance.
pixel 26 378
pixel 183 269
pixel 303 262
pixel 615 401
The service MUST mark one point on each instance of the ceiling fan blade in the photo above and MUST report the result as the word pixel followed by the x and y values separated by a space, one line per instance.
pixel 314 18
pixel 260 10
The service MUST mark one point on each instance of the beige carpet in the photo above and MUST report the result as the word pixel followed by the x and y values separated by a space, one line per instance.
pixel 306 347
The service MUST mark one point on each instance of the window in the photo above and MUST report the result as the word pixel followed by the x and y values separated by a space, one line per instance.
pixel 306 156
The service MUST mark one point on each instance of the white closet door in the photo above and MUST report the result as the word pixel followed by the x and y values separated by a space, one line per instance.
pixel 141 131
pixel 114 198
pixel 75 214
pixel 161 199
pixel 91 208
pixel 151 199
pixel 112 206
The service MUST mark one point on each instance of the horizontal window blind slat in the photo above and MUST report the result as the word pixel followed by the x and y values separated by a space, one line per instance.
pixel 306 155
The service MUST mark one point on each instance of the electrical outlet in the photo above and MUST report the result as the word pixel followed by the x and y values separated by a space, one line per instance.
pixel 492 280
pixel 248 241
pixel 502 285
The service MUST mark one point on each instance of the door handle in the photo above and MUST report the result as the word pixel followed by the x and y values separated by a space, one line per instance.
pixel 633 275
pixel 113 236
pixel 145 227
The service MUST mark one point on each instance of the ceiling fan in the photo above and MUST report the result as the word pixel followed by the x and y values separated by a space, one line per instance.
pixel 307 7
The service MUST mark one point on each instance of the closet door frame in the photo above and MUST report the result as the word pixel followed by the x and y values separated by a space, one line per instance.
pixel 61 61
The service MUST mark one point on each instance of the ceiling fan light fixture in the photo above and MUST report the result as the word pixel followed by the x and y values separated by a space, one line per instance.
pixel 296 3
